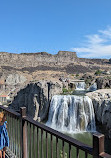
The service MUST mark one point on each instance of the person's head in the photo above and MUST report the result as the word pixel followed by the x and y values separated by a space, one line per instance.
pixel 2 116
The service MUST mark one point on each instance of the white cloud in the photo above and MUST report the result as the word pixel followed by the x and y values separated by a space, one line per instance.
pixel 107 32
pixel 96 45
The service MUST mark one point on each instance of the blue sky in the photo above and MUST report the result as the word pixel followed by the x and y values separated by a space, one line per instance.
pixel 83 26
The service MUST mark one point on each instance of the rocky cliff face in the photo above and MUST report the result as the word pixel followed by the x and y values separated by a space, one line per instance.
pixel 17 70
pixel 32 64
pixel 102 105
pixel 14 79
pixel 103 82
pixel 35 59
pixel 36 98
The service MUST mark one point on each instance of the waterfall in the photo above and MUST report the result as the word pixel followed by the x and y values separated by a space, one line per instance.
pixel 80 85
pixel 93 87
pixel 71 113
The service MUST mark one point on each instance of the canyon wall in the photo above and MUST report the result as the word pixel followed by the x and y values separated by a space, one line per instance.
pixel 34 59
pixel 36 98
pixel 102 104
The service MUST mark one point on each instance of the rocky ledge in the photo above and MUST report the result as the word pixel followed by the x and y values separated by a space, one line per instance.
pixel 102 105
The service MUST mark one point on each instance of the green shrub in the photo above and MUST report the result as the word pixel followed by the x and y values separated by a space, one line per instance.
pixel 77 75
pixel 88 81
pixel 98 72
pixel 64 90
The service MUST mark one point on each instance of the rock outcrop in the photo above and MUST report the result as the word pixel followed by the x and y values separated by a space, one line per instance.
pixel 102 104
pixel 14 79
pixel 103 82
pixel 89 79
pixel 35 59
pixel 36 98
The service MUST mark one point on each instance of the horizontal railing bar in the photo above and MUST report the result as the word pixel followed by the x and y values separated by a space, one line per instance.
pixel 60 135
pixel 11 111
pixel 105 155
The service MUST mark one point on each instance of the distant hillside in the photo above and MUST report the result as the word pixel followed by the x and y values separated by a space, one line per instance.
pixel 18 70
pixel 35 59
pixel 63 61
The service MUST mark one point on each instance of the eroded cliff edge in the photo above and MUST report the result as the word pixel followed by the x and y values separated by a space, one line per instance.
pixel 102 106
pixel 35 59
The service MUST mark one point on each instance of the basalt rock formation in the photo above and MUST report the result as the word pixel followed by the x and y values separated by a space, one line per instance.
pixel 103 82
pixel 102 104
pixel 36 98
pixel 62 61
pixel 18 70
pixel 35 59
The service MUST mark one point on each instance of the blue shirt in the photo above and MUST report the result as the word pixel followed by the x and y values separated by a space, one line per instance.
pixel 4 139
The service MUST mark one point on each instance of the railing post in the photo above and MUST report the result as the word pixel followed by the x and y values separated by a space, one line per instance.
pixel 23 132
pixel 98 144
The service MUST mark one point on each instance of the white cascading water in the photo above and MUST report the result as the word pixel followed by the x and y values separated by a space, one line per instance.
pixel 71 114
pixel 93 87
pixel 80 85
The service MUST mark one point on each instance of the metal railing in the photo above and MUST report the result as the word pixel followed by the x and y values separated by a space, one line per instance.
pixel 31 139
